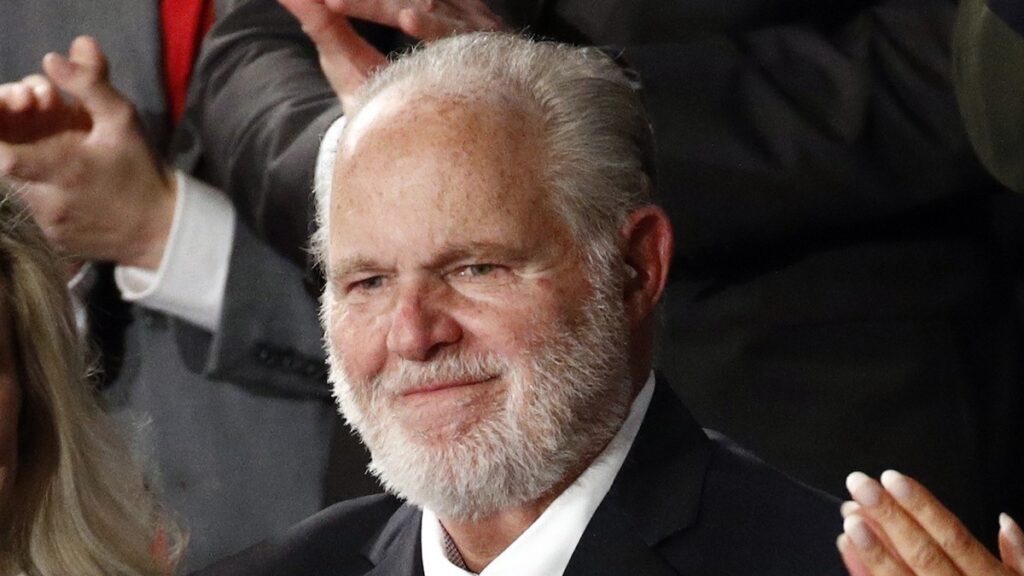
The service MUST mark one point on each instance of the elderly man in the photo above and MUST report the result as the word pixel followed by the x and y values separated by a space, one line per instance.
pixel 495 262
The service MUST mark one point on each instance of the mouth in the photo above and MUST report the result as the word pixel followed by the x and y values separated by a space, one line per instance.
pixel 441 385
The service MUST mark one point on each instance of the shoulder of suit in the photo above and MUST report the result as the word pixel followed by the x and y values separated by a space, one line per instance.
pixel 335 536
pixel 759 510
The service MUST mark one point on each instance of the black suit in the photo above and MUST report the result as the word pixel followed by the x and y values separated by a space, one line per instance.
pixel 684 502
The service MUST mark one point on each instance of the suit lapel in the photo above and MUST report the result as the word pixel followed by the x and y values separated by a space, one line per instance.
pixel 396 550
pixel 656 494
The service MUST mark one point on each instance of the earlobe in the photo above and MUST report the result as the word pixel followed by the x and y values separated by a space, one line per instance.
pixel 648 246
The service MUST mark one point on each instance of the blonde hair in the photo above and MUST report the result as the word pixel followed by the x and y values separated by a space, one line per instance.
pixel 78 505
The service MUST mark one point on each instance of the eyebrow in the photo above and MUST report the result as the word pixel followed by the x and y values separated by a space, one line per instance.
pixel 463 251
pixel 347 266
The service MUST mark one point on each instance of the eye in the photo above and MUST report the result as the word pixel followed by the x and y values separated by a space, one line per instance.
pixel 366 284
pixel 477 270
pixel 485 273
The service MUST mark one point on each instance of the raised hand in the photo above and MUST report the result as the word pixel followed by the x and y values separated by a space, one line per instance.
pixel 896 527
pixel 422 19
pixel 86 172
pixel 348 60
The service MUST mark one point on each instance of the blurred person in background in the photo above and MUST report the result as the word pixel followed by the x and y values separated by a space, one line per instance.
pixel 72 501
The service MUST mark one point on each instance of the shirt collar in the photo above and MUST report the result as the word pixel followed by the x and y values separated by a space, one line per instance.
pixel 545 548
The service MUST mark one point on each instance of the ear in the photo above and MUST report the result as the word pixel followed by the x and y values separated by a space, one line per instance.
pixel 647 251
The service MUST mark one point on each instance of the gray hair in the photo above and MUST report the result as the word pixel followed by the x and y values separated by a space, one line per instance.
pixel 599 146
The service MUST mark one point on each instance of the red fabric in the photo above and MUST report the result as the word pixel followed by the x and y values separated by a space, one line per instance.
pixel 184 23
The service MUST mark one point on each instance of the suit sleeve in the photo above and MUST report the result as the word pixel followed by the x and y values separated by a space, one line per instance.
pixel 263 107
pixel 269 336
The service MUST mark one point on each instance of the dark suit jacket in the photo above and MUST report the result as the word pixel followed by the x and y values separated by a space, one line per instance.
pixel 842 295
pixel 685 502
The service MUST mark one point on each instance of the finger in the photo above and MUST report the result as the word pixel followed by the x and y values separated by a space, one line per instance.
pixel 17 98
pixel 869 549
pixel 913 544
pixel 346 58
pixel 83 75
pixel 477 14
pixel 324 27
pixel 853 563
pixel 848 508
pixel 429 25
pixel 86 51
pixel 1011 544
pixel 969 555
pixel 42 90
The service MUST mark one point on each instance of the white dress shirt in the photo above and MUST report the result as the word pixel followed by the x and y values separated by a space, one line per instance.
pixel 545 548
pixel 193 271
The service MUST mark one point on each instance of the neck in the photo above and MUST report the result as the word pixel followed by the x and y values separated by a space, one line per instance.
pixel 481 540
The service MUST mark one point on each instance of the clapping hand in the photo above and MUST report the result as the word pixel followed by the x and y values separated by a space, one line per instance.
pixel 897 528
pixel 86 172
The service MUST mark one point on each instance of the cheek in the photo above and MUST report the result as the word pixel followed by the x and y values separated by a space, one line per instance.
pixel 511 326
pixel 359 342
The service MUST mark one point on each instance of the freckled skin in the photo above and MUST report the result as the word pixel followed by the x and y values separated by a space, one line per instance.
pixel 10 407
pixel 415 179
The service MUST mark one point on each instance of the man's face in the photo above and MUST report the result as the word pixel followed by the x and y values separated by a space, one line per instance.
pixel 470 347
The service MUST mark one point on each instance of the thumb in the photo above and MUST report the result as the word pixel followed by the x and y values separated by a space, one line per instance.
pixel 84 75
pixel 345 57
pixel 325 28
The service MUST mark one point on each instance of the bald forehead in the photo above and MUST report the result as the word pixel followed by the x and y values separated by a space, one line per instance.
pixel 455 121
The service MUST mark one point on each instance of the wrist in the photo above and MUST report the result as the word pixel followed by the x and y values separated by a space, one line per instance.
pixel 155 223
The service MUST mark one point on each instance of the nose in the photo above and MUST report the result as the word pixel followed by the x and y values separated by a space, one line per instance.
pixel 420 324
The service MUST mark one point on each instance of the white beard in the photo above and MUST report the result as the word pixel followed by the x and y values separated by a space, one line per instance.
pixel 565 401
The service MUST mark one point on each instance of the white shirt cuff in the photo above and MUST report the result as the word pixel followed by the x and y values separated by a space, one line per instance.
pixel 193 271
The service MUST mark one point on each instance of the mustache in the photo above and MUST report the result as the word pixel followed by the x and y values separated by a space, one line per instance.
pixel 409 375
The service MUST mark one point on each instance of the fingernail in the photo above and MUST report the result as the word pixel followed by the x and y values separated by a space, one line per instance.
pixel 863 489
pixel 848 507
pixel 897 485
pixel 859 533
pixel 1008 526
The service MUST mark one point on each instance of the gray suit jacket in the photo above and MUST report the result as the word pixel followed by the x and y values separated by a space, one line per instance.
pixel 685 501
pixel 235 429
